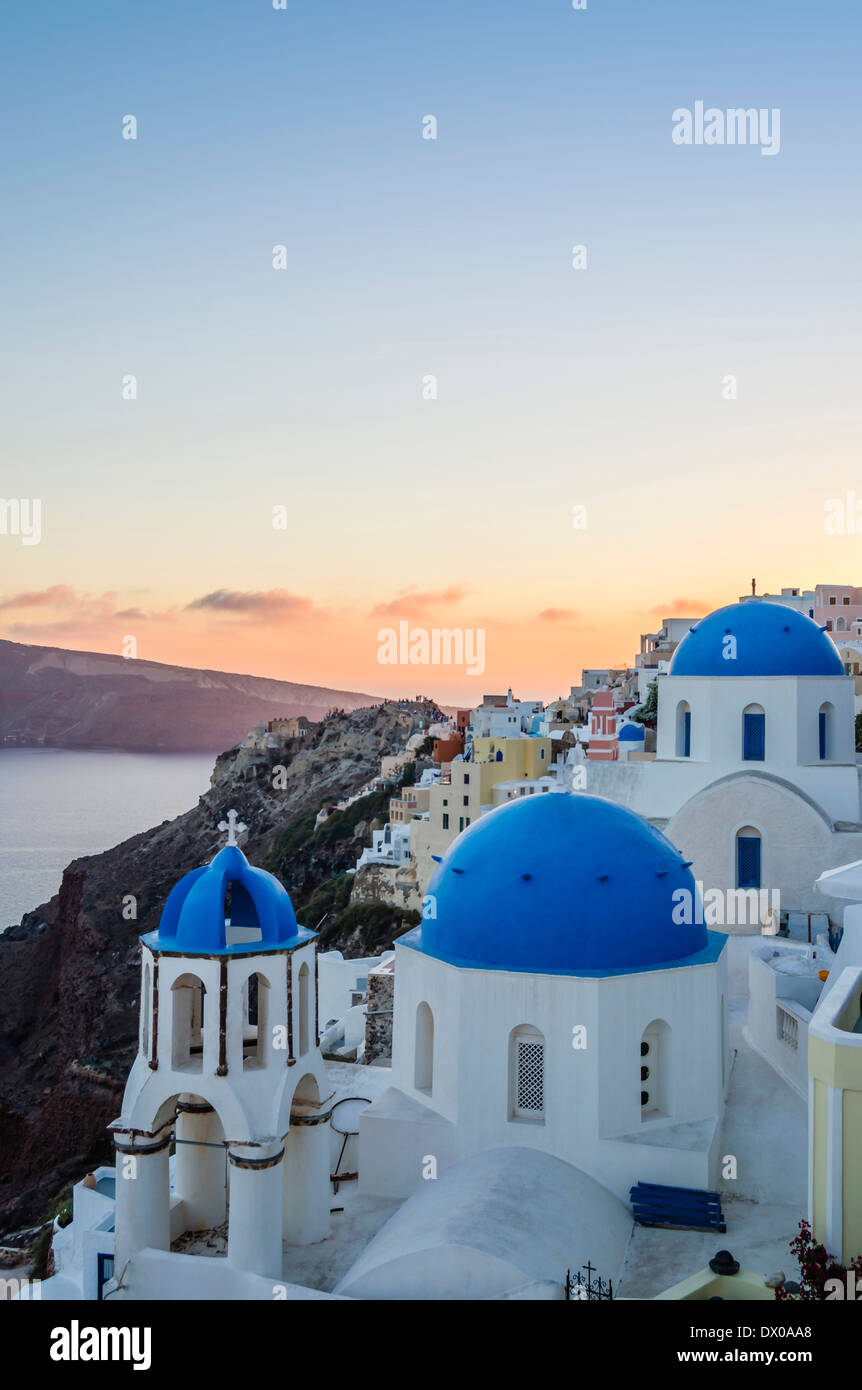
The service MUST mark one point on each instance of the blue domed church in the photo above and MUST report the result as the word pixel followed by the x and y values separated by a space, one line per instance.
pixel 754 774
pixel 555 997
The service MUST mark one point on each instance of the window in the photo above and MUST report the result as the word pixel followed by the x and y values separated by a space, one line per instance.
pixel 748 843
pixel 423 1057
pixel 753 734
pixel 655 1070
pixel 832 598
pixel 255 1027
pixel 542 754
pixel 824 731
pixel 527 1071
pixel 187 1005
pixel 467 820
pixel 304 1008
pixel 145 1011
pixel 466 801
pixel 460 822
pixel 846 600
pixel 466 779
pixel 445 821
pixel 683 730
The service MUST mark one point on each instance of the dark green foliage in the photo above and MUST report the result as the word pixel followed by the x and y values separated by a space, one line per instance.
pixel 41 1250
pixel 378 924
pixel 859 733
pixel 647 713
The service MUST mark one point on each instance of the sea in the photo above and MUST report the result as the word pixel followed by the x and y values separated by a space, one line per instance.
pixel 57 804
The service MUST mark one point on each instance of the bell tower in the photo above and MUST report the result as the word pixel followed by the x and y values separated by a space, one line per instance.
pixel 228 1074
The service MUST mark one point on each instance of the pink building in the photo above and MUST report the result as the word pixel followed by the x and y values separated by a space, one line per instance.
pixel 838 608
pixel 608 706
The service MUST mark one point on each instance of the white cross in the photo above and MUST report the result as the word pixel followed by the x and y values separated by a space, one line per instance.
pixel 230 825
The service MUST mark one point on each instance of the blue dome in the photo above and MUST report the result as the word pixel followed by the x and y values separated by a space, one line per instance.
pixel 771 640
pixel 562 883
pixel 193 918
pixel 632 733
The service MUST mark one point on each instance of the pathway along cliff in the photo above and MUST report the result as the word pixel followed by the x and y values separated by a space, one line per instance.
pixel 69 973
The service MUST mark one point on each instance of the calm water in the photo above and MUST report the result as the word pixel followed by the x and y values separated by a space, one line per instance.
pixel 56 804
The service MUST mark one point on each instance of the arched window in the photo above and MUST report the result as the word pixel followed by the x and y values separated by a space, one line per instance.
pixel 753 734
pixel 187 1001
pixel 683 729
pixel 423 1063
pixel 748 843
pixel 146 1006
pixel 824 731
pixel 527 1074
pixel 655 1070
pixel 840 625
pixel 499 755
pixel 255 1020
pixel 304 1008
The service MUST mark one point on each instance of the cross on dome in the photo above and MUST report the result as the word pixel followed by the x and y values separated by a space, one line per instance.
pixel 233 825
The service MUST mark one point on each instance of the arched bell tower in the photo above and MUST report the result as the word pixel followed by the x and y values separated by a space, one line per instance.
pixel 229 1071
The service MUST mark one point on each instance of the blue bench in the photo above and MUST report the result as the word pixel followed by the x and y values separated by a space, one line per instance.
pixel 683 1208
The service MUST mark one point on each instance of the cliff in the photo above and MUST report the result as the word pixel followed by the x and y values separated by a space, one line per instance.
pixel 62 699
pixel 70 974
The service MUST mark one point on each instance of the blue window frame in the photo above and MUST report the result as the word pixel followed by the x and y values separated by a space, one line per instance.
pixel 822 731
pixel 747 862
pixel 105 1272
pixel 686 734
pixel 753 737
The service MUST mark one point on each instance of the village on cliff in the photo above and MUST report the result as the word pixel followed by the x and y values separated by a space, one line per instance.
pixel 617 1053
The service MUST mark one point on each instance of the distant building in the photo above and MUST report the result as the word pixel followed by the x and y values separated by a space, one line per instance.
pixel 297 726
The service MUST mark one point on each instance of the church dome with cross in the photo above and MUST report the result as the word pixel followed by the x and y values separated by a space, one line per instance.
pixel 227 907
pixel 756 638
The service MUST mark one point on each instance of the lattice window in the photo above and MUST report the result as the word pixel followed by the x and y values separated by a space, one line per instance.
pixel 529 1076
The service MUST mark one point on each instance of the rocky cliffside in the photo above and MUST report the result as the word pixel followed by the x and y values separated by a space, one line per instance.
pixel 61 699
pixel 69 973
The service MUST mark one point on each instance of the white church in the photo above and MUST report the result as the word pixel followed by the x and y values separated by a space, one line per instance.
pixel 754 775
pixel 558 1036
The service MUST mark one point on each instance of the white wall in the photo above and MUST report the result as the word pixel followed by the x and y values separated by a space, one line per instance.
pixel 591 1096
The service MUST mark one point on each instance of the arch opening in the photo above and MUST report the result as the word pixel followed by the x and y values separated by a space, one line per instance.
pixel 187 1032
pixel 753 734
pixel 655 1095
pixel 423 1055
pixel 527 1074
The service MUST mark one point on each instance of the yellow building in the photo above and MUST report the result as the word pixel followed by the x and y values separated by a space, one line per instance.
pixel 835 1117
pixel 455 802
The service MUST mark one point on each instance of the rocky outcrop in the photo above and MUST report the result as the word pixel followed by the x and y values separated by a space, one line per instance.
pixel 69 973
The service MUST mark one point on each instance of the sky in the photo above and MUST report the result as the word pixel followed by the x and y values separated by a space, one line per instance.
pixel 600 447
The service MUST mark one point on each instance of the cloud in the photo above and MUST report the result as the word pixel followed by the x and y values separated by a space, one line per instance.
pixel 57 596
pixel 681 608
pixel 260 604
pixel 411 602
pixel 558 615
pixel 134 613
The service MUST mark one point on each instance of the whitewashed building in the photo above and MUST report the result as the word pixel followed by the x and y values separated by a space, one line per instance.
pixel 549 999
